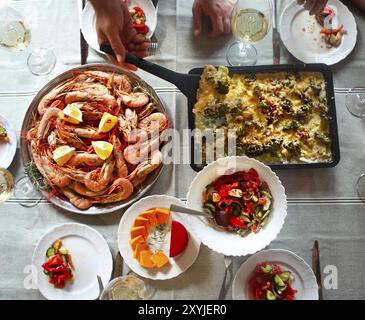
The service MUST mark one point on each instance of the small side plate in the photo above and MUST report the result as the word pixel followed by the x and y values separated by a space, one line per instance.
pixel 304 280
pixel 7 149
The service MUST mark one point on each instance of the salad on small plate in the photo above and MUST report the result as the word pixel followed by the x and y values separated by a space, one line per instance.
pixel 275 274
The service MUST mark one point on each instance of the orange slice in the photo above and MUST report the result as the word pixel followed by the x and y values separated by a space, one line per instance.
pixel 160 259
pixel 151 216
pixel 138 231
pixel 140 221
pixel 163 215
pixel 145 259
pixel 133 242
pixel 139 247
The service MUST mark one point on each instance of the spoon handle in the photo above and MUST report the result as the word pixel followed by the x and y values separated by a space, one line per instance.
pixel 185 210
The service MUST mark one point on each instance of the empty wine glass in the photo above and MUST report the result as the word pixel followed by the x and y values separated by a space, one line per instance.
pixel 41 61
pixel 355 102
pixel 250 21
pixel 27 196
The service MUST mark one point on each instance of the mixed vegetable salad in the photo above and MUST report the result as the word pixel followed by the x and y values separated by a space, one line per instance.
pixel 139 20
pixel 59 267
pixel 240 202
pixel 270 282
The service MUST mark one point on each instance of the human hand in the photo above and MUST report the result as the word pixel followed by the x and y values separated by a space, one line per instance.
pixel 314 6
pixel 219 12
pixel 114 26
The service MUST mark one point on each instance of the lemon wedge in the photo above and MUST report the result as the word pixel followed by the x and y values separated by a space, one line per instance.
pixel 103 149
pixel 71 114
pixel 107 122
pixel 63 154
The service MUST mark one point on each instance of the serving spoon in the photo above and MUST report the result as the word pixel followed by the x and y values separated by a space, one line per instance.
pixel 220 218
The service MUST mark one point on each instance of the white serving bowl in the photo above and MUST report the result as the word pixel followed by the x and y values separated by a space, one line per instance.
pixel 229 243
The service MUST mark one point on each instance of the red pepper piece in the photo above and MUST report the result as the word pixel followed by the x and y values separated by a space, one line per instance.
pixel 236 222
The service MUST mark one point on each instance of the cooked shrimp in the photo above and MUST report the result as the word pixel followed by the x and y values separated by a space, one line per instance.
pixel 155 121
pixel 98 179
pixel 81 96
pixel 127 123
pixel 135 153
pixel 53 173
pixel 45 122
pixel 89 133
pixel 120 190
pixel 84 159
pixel 52 139
pixel 121 166
pixel 140 173
pixel 120 81
pixel 81 189
pixel 53 95
pixel 134 99
pixel 77 200
pixel 145 111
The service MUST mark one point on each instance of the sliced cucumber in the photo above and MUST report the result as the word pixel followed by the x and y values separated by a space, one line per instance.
pixel 63 251
pixel 285 276
pixel 270 295
pixel 255 199
pixel 279 282
pixel 267 269
pixel 267 204
pixel 45 272
pixel 209 208
pixel 50 252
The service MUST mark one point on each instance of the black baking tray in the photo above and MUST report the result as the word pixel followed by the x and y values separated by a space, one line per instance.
pixel 189 84
pixel 321 68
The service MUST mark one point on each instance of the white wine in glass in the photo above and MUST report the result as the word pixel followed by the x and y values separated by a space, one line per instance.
pixel 250 22
pixel 250 25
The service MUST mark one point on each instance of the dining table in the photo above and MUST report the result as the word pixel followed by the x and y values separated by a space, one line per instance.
pixel 323 203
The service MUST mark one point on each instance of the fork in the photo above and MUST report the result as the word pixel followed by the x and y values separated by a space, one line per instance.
pixel 227 262
pixel 152 50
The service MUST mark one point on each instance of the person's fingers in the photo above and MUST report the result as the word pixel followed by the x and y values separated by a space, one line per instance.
pixel 141 53
pixel 226 25
pixel 197 19
pixel 117 45
pixel 318 7
pixel 300 2
pixel 309 4
pixel 217 26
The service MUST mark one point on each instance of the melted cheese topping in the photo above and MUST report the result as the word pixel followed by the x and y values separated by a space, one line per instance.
pixel 277 117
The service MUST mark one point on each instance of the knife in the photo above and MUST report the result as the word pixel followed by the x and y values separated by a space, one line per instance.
pixel 316 266
pixel 276 36
pixel 118 266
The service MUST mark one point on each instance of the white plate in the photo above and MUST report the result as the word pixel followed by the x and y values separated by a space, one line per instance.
pixel 177 265
pixel 90 255
pixel 304 279
pixel 306 44
pixel 88 21
pixel 227 243
pixel 7 149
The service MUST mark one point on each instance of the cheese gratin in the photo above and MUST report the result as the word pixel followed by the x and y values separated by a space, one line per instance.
pixel 276 117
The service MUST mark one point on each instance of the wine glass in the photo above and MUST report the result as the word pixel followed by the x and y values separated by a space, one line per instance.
pixel 128 287
pixel 355 102
pixel 27 196
pixel 15 36
pixel 250 22
pixel 41 61
pixel 6 185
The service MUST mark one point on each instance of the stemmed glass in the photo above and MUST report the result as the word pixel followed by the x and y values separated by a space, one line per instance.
pixel 15 36
pixel 355 104
pixel 250 22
